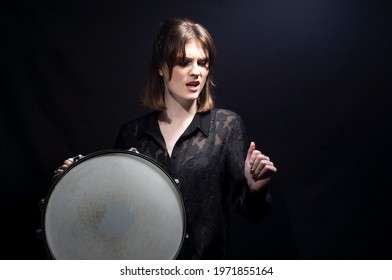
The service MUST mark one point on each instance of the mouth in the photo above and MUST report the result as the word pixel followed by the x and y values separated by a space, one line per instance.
pixel 193 85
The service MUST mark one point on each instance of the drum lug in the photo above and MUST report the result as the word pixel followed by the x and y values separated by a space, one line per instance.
pixel 78 157
pixel 39 233
pixel 177 182
pixel 41 204
pixel 134 150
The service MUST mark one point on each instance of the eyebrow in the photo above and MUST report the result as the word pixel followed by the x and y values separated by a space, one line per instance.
pixel 205 58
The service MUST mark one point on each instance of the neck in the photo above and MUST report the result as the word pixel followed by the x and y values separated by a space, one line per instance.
pixel 176 112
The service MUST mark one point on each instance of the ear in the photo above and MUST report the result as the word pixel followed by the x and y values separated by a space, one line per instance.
pixel 160 72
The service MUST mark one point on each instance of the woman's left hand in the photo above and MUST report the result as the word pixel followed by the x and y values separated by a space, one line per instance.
pixel 258 169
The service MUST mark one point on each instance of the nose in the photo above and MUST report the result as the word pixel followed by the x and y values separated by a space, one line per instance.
pixel 195 70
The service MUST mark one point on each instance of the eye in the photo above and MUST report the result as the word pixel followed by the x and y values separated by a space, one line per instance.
pixel 183 63
pixel 203 63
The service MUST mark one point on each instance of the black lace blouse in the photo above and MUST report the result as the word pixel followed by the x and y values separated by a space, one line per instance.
pixel 208 160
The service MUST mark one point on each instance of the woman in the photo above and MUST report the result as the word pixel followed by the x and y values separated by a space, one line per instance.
pixel 203 147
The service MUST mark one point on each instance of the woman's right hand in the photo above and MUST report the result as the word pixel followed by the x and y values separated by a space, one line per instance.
pixel 62 168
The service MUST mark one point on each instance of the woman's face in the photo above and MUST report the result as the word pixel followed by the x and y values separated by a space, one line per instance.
pixel 188 76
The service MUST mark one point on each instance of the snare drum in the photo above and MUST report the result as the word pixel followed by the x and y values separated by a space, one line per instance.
pixel 114 204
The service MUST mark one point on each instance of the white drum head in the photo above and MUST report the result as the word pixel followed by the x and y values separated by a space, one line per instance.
pixel 114 205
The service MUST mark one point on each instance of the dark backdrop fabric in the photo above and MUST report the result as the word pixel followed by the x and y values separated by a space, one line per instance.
pixel 311 79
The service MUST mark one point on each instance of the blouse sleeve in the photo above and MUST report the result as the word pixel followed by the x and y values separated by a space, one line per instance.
pixel 252 205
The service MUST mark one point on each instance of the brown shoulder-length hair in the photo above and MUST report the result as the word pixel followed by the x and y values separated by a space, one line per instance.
pixel 169 49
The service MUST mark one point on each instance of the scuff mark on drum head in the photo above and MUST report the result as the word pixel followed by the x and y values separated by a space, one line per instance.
pixel 116 222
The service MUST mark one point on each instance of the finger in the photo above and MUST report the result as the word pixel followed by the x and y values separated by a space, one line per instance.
pixel 65 165
pixel 257 158
pixel 252 147
pixel 266 172
pixel 260 161
pixel 258 166
pixel 69 161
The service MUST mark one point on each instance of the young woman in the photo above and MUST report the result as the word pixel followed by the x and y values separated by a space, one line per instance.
pixel 204 148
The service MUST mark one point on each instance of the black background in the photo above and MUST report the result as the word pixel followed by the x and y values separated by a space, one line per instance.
pixel 311 79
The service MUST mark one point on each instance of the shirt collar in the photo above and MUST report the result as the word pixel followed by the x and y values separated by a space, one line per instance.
pixel 201 121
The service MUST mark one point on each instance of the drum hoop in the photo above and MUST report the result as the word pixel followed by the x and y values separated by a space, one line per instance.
pixel 44 202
